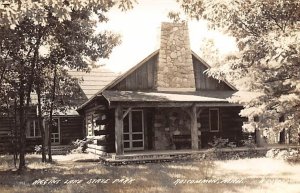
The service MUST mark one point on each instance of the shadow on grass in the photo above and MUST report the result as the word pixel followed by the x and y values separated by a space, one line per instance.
pixel 150 177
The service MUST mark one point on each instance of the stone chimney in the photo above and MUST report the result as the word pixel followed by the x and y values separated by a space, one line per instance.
pixel 175 67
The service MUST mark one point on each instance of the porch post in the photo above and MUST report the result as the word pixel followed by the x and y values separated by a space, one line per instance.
pixel 194 129
pixel 119 130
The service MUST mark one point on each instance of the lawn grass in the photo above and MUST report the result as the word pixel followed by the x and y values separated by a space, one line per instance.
pixel 244 175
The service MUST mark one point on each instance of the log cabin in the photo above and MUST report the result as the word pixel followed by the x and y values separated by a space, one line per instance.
pixel 68 126
pixel 165 102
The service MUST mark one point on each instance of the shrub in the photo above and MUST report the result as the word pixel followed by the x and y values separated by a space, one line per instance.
pixel 38 149
pixel 80 145
pixel 290 155
pixel 218 143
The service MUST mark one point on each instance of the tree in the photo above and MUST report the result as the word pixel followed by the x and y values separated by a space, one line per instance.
pixel 268 40
pixel 12 12
pixel 68 28
pixel 209 52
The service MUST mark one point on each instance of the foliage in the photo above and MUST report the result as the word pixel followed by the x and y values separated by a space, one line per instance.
pixel 268 39
pixel 38 149
pixel 218 142
pixel 81 145
pixel 290 155
pixel 39 42
pixel 250 143
pixel 13 12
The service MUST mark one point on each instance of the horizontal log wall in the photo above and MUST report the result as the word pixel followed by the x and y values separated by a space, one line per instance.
pixel 6 128
pixel 230 125
pixel 71 128
pixel 104 139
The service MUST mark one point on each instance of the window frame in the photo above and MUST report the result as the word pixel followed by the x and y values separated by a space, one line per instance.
pixel 35 128
pixel 59 134
pixel 218 110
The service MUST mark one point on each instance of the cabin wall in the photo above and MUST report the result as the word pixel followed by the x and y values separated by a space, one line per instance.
pixel 172 127
pixel 140 79
pixel 203 81
pixel 71 128
pixel 230 125
pixel 165 128
pixel 9 128
pixel 100 127
pixel 6 128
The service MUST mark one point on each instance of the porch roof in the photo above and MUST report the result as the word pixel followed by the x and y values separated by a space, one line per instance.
pixel 197 96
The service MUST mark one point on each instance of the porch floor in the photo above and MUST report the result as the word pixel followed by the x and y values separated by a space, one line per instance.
pixel 171 155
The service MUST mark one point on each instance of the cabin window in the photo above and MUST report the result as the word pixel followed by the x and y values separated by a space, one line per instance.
pixel 55 134
pixel 33 129
pixel 214 120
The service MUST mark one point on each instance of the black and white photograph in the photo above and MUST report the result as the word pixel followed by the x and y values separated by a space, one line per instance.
pixel 149 96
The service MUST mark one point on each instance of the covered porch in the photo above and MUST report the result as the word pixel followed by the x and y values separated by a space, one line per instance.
pixel 161 123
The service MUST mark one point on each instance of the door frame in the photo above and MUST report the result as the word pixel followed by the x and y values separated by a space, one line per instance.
pixel 130 132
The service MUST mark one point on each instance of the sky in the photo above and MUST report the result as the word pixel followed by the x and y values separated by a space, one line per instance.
pixel 140 33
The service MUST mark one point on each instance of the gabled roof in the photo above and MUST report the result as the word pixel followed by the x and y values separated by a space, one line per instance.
pixel 119 78
pixel 136 94
pixel 93 81
pixel 89 82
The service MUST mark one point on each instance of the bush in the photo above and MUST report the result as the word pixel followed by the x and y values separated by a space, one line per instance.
pixel 80 145
pixel 218 143
pixel 290 155
pixel 38 149
pixel 250 143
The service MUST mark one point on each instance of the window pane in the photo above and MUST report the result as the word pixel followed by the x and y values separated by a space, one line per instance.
pixel 214 120
pixel 55 126
pixel 137 136
pixel 137 144
pixel 37 129
pixel 137 121
pixel 126 144
pixel 126 136
pixel 31 126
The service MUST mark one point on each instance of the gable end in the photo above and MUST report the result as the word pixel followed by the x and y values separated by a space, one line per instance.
pixel 139 78
pixel 203 81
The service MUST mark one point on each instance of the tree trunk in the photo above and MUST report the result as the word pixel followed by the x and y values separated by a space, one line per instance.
pixel 22 139
pixel 40 120
pixel 38 90
pixel 51 113
pixel 15 135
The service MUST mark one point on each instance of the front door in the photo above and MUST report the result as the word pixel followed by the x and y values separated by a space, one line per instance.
pixel 55 135
pixel 133 130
